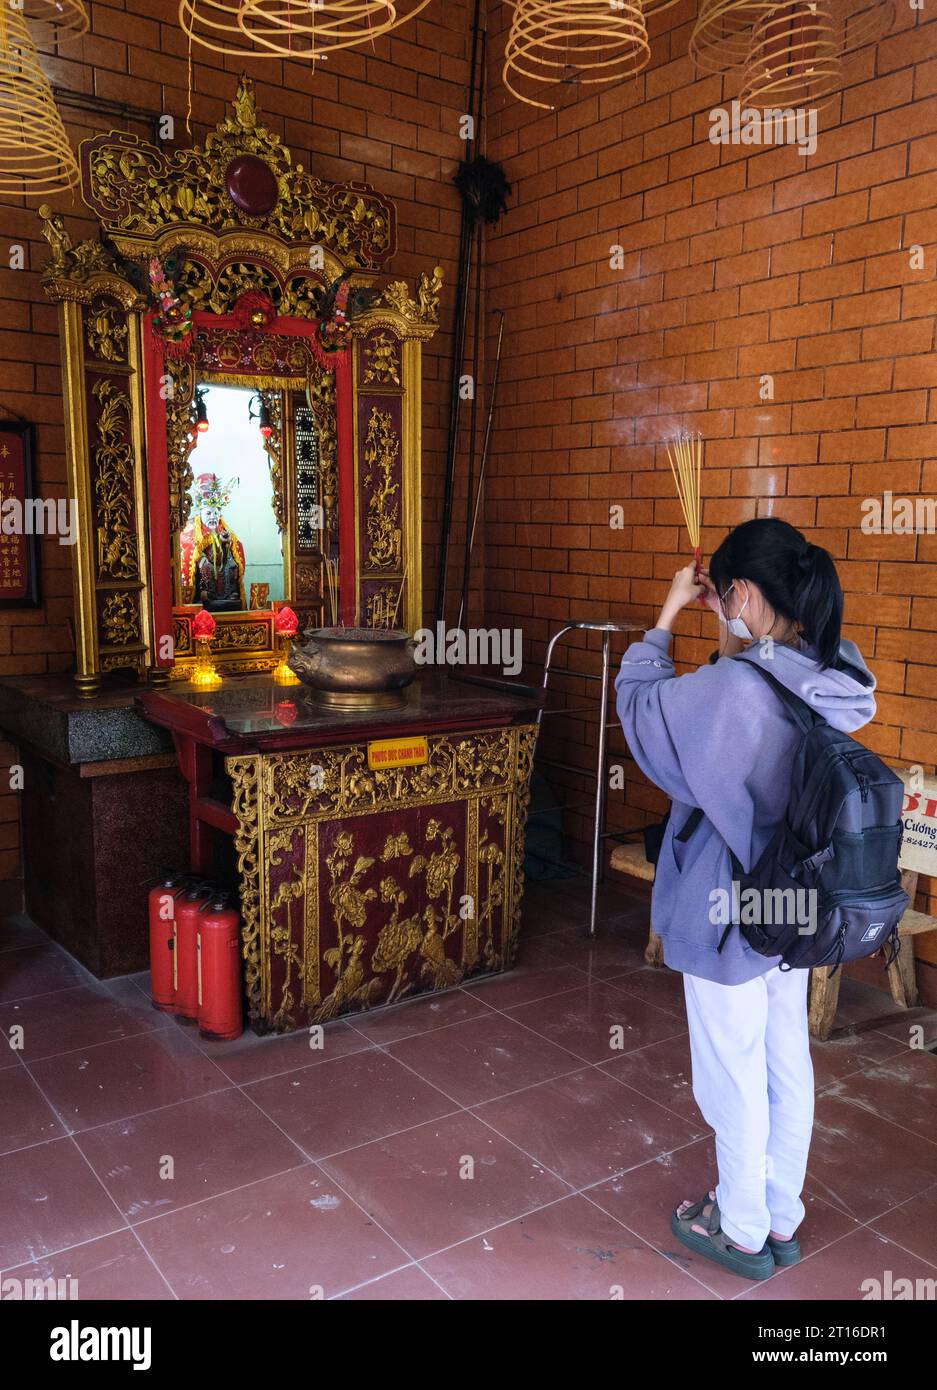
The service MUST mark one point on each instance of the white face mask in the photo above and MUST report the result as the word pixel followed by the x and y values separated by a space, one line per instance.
pixel 735 625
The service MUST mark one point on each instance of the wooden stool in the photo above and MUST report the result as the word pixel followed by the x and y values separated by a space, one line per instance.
pixel 902 978
pixel 824 983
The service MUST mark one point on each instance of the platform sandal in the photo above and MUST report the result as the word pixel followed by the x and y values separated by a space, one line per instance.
pixel 785 1252
pixel 715 1246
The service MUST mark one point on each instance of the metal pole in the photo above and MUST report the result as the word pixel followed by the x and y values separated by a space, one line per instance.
pixel 601 784
pixel 470 537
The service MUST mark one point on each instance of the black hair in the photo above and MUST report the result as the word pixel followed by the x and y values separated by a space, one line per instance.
pixel 798 579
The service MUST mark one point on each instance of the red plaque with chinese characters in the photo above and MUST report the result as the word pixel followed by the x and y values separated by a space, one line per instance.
pixel 19 567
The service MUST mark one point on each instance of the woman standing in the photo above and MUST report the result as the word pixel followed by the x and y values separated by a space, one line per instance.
pixel 719 741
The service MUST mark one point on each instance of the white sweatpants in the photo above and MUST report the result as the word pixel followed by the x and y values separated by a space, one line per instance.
pixel 753 1081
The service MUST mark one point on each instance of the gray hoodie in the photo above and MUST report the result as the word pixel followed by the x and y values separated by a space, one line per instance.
pixel 720 739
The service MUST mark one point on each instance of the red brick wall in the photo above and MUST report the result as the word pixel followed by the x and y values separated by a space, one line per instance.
pixel 739 261
pixel 390 117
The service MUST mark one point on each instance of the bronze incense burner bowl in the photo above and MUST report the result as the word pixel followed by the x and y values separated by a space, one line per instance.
pixel 355 668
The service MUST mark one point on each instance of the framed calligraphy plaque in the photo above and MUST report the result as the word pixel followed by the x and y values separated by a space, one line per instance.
pixel 19 551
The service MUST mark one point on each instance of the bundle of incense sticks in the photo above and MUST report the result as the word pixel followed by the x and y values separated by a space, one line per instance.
pixel 403 585
pixel 686 457
pixel 331 577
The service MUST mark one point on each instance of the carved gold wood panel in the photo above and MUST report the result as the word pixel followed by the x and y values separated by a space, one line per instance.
pixel 361 888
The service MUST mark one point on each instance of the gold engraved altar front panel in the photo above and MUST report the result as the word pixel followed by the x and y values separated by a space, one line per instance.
pixel 361 887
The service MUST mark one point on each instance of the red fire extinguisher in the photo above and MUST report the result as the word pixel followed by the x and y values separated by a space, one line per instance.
pixel 218 946
pixel 186 950
pixel 162 918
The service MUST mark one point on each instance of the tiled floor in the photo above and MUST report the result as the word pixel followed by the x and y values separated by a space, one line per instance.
pixel 486 1143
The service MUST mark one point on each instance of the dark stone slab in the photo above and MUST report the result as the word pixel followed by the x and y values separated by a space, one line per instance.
pixel 44 713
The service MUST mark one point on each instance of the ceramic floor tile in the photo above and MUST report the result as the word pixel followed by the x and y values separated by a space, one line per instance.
pixel 598 1022
pixel 408 1285
pixel 33 970
pixel 569 1250
pixel 420 1016
pixel 663 1072
pixel 854 1268
pixel 838 1058
pixel 95 1085
pixel 922 1027
pixel 113 1268
pixel 537 976
pixel 585 1127
pixel 27 1119
pixel 442 1182
pixel 903 1090
pixel 485 1057
pixel 80 1017
pixel 913 1225
pixel 17 930
pixel 663 988
pixel 290 1237
pixel 864 1164
pixel 158 1162
pixel 49 1199
pixel 611 952
pixel 350 1101
pixel 252 1058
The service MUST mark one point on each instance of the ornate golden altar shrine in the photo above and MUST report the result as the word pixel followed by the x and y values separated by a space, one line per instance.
pixel 227 274
pixel 362 882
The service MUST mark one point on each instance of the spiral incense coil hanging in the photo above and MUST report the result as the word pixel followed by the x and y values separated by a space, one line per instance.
pixel 213 24
pixel 721 37
pixel 795 58
pixel 573 42
pixel 35 156
pixel 299 30
pixel 68 19
pixel 863 21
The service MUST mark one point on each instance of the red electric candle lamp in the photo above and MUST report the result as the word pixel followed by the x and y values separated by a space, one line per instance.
pixel 286 626
pixel 203 630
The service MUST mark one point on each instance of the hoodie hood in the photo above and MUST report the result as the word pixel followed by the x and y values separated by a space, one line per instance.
pixel 843 694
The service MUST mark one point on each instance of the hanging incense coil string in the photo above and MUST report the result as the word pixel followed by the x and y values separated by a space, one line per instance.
pixel 573 42
pixel 213 24
pixel 68 19
pixel 35 156
pixel 863 21
pixel 311 31
pixel 296 30
pixel 685 454
pixel 795 58
pixel 722 37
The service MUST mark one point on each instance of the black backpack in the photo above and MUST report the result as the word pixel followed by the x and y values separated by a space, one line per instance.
pixel 827 888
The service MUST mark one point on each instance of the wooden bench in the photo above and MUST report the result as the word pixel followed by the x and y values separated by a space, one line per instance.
pixel 824 982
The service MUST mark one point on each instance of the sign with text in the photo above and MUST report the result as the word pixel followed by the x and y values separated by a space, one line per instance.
pixel 919 813
pixel 397 752
pixel 19 569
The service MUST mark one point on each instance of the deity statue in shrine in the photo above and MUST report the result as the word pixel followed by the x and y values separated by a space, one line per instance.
pixel 212 556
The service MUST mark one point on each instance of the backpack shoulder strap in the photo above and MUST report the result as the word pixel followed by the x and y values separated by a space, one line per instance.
pixel 803 715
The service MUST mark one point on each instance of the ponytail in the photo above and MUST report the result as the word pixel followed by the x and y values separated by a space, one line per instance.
pixel 818 602
pixel 798 579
